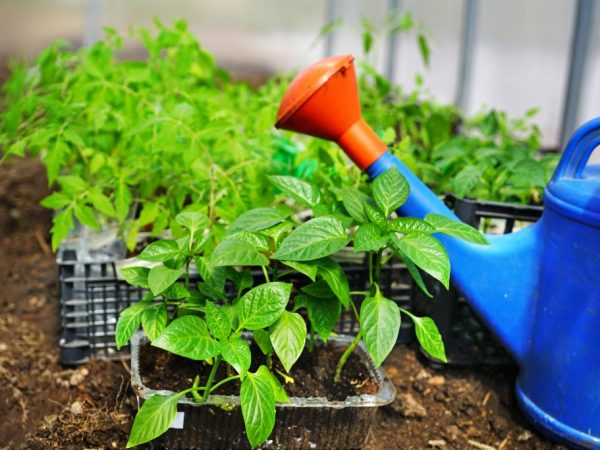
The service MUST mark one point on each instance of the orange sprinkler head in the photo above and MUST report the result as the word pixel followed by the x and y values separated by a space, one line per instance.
pixel 322 101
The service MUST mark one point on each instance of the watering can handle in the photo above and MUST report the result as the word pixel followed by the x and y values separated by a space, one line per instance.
pixel 578 151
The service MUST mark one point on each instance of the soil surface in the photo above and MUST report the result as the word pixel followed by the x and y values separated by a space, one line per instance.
pixel 45 405
pixel 312 374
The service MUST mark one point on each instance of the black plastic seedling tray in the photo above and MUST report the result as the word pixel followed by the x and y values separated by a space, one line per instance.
pixel 92 295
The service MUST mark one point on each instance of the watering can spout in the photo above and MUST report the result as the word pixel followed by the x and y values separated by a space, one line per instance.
pixel 323 101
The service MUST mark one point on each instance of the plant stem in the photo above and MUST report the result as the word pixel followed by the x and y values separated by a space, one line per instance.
pixel 344 358
pixel 311 340
pixel 187 274
pixel 195 394
pixel 211 377
pixel 356 314
pixel 359 293
pixel 264 269
pixel 270 360
pixel 222 382
pixel 370 268
pixel 377 266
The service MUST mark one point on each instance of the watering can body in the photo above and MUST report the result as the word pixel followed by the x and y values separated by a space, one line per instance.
pixel 536 289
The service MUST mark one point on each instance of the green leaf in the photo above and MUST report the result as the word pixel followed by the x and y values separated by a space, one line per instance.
pixel 137 276
pixel 236 352
pixel 154 418
pixel 380 325
pixel 278 391
pixel 160 251
pixel 72 184
pixel 256 240
pixel 258 407
pixel 323 314
pixel 288 337
pixel 102 203
pixel 334 276
pixel 193 221
pixel 123 200
pixel 427 253
pixel 259 219
pixel 307 268
pixel 148 215
pixel 262 306
pixel 214 277
pixel 237 253
pixel 218 321
pixel 429 336
pixel 161 277
pixel 56 200
pixel 154 320
pixel 375 215
pixel 243 279
pixel 314 239
pixel 320 289
pixel 413 271
pixel 300 191
pixel 369 238
pixel 188 336
pixel 86 216
pixel 263 340
pixel 354 202
pixel 424 48
pixel 277 231
pixel 61 224
pixel 367 41
pixel 465 180
pixel 456 229
pixel 128 323
pixel 176 292
pixel 390 190
pixel 410 224
pixel 73 137
pixel 55 159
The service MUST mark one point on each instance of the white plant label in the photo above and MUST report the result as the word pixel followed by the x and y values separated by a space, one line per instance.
pixel 178 423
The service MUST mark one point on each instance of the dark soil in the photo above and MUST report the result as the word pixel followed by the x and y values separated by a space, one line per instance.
pixel 312 374
pixel 47 406
pixel 43 404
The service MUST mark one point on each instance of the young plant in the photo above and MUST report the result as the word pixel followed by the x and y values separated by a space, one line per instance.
pixel 381 236
pixel 199 321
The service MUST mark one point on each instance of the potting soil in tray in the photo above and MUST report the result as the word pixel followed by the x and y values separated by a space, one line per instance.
pixel 312 374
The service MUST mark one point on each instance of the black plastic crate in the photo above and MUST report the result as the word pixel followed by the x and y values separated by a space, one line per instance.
pixel 92 297
pixel 466 339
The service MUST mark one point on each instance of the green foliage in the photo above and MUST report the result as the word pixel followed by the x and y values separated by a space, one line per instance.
pixel 258 406
pixel 380 322
pixel 263 305
pixel 487 156
pixel 390 190
pixel 319 237
pixel 155 145
pixel 236 352
pixel 288 336
pixel 156 416
pixel 133 142
pixel 205 324
pixel 188 336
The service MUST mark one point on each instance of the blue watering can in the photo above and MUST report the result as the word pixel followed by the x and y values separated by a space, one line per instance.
pixel 536 289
